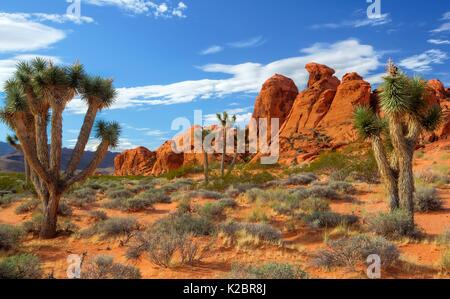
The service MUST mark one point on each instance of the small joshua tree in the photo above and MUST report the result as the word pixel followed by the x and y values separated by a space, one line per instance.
pixel 36 96
pixel 225 122
pixel 407 115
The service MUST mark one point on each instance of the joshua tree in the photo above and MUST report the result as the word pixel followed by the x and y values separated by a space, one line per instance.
pixel 36 96
pixel 407 114
pixel 13 141
pixel 225 122
pixel 205 132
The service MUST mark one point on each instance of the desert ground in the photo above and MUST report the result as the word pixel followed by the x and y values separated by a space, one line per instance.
pixel 218 254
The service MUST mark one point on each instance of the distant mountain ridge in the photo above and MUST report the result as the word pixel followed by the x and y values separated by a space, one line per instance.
pixel 12 161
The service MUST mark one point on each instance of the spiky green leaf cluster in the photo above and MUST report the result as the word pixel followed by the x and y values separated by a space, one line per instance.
pixel 395 96
pixel 99 90
pixel 367 123
pixel 108 131
pixel 431 120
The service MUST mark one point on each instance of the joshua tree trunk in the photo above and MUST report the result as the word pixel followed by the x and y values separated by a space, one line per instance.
pixel 386 172
pixel 406 178
pixel 205 167
pixel 50 210
pixel 224 149
pixel 56 140
pixel 27 170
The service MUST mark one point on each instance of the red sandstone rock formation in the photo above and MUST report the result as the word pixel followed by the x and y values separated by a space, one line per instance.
pixel 137 161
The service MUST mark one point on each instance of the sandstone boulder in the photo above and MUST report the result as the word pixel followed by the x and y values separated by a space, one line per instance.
pixel 275 99
pixel 138 161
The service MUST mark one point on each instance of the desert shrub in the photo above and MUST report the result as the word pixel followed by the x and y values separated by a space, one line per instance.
pixel 427 199
pixel 270 195
pixel 133 204
pixel 182 171
pixel 342 187
pixel 82 197
pixel 227 202
pixel 352 250
pixel 267 271
pixel 13 182
pixel 103 267
pixel 346 164
pixel 206 194
pixel 294 179
pixel 154 196
pixel 262 231
pixel 10 236
pixel 329 219
pixel 33 226
pixel 185 223
pixel 395 224
pixel 160 246
pixel 64 209
pixel 221 184
pixel 119 194
pixel 322 192
pixel 314 204
pixel 67 227
pixel 98 215
pixel 433 177
pixel 23 266
pixel 28 206
pixel 258 215
pixel 237 189
pixel 212 210
pixel 7 199
pixel 178 185
pixel 113 228
pixel 445 261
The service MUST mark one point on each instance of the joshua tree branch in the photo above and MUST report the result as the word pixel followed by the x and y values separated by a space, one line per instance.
pixel 83 139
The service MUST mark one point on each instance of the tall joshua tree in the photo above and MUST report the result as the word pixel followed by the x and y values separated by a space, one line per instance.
pixel 36 97
pixel 407 115
pixel 13 141
pixel 205 133
pixel 225 121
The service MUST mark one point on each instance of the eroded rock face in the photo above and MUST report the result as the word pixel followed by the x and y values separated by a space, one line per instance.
pixel 436 92
pixel 166 159
pixel 138 161
pixel 338 122
pixel 275 99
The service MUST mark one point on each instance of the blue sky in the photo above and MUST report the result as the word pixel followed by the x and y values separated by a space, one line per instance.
pixel 169 58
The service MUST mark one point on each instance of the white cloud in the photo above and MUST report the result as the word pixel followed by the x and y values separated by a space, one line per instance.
pixel 212 50
pixel 444 27
pixel 248 77
pixel 382 20
pixel 422 62
pixel 93 143
pixel 8 66
pixel 249 43
pixel 18 33
pixel 163 9
pixel 439 41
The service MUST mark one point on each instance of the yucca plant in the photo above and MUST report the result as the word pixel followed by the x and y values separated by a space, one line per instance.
pixel 407 115
pixel 225 121
pixel 36 96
